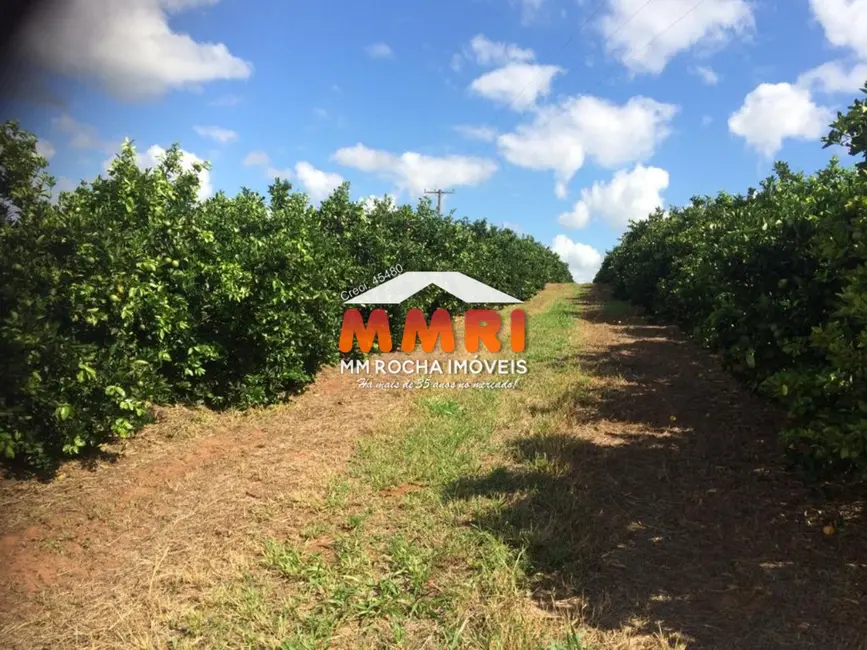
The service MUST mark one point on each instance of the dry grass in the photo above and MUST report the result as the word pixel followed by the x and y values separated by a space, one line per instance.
pixel 106 554
pixel 114 550
pixel 638 506
pixel 653 499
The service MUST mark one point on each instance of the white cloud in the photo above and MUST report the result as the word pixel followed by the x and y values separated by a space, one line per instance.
pixel 226 101
pixel 629 195
pixel 65 184
pixel 706 74
pixel 82 136
pixel 646 39
pixel 369 203
pixel 529 9
pixel 379 51
pixel 561 137
pixel 514 227
pixel 773 112
pixel 835 77
pixel 216 133
pixel 62 184
pixel 490 53
pixel 483 133
pixel 516 81
pixel 578 218
pixel 45 149
pixel 844 23
pixel 285 173
pixel 261 159
pixel 365 159
pixel 129 47
pixel 518 85
pixel 414 172
pixel 317 183
pixel 256 159
pixel 485 52
pixel 154 156
pixel 583 260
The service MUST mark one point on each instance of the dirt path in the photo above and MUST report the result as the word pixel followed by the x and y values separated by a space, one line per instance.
pixel 109 545
pixel 683 512
pixel 668 511
pixel 100 554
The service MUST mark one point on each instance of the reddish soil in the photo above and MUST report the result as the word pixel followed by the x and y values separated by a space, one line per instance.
pixel 674 509
pixel 169 507
pixel 681 511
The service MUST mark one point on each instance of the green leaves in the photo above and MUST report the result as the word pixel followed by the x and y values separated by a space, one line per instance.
pixel 129 292
pixel 85 373
pixel 777 281
pixel 63 411
pixel 850 130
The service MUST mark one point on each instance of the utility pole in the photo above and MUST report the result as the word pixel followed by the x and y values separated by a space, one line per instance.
pixel 439 194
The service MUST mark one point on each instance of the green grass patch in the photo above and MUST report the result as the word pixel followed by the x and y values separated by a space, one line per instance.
pixel 405 565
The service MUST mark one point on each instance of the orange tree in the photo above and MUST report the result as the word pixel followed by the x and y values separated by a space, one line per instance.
pixel 129 291
pixel 777 281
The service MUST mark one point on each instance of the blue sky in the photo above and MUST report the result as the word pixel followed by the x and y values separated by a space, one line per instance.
pixel 561 118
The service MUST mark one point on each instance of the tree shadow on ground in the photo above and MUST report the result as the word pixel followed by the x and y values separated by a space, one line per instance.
pixel 665 501
pixel 89 459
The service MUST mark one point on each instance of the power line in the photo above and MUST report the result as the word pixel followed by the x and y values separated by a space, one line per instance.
pixel 644 47
pixel 439 194
pixel 655 38
pixel 587 20
pixel 583 25
pixel 629 20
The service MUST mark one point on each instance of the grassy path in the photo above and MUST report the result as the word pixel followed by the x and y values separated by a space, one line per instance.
pixel 394 560
pixel 623 498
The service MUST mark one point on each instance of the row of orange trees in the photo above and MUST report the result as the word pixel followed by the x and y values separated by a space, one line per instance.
pixel 129 292
pixel 776 280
